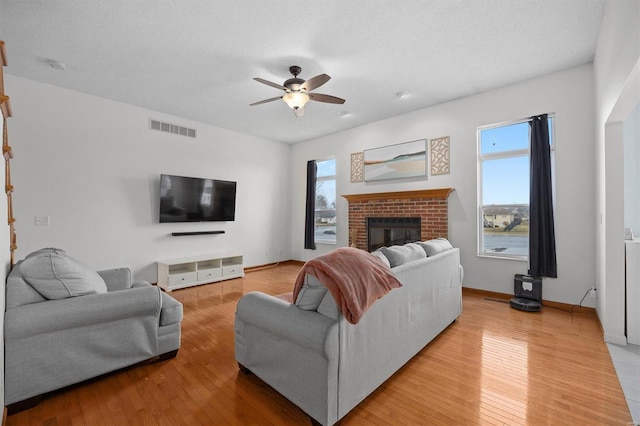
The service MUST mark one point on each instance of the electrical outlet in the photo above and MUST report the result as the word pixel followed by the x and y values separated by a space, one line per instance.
pixel 592 292
pixel 42 220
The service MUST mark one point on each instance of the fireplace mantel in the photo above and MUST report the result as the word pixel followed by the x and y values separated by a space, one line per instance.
pixel 401 195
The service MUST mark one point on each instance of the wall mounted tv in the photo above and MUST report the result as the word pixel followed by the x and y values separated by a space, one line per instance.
pixel 189 199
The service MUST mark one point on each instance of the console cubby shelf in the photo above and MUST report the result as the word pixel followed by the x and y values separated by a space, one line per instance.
pixel 195 270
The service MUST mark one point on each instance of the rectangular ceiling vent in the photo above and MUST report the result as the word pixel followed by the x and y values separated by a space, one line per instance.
pixel 171 128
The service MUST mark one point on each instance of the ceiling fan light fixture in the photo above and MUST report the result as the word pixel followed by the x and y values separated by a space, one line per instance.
pixel 296 100
pixel 297 92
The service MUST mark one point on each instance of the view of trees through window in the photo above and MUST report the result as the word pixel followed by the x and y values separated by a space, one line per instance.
pixel 325 217
pixel 504 189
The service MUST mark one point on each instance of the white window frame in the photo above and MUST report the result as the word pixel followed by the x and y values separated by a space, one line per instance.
pixel 505 155
pixel 334 240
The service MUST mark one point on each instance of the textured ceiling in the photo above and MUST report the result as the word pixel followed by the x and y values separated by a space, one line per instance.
pixel 196 59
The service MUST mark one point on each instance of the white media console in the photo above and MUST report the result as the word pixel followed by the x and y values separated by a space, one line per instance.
pixel 189 271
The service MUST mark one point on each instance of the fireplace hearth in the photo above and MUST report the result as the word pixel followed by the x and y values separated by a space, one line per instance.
pixel 388 231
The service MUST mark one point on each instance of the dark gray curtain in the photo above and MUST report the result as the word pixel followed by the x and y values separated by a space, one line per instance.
pixel 542 241
pixel 310 216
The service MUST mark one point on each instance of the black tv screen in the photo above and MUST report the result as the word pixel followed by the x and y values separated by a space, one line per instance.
pixel 189 199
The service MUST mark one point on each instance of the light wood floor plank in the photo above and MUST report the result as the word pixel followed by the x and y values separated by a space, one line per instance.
pixel 494 366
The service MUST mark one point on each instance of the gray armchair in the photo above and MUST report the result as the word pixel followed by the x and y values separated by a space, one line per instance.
pixel 53 340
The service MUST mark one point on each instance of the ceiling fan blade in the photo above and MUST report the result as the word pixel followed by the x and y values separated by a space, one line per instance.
pixel 325 98
pixel 298 112
pixel 266 100
pixel 314 82
pixel 269 83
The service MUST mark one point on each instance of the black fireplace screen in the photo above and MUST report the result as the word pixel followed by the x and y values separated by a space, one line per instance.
pixel 388 231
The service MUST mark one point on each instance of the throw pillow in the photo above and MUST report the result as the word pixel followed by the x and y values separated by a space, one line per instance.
pixel 329 308
pixel 398 255
pixel 56 275
pixel 433 247
pixel 311 293
pixel 45 251
pixel 382 257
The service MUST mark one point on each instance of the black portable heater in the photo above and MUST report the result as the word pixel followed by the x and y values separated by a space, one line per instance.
pixel 528 293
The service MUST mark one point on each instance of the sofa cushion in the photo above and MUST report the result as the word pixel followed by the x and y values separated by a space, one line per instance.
pixel 398 255
pixel 382 257
pixel 435 246
pixel 56 275
pixel 311 293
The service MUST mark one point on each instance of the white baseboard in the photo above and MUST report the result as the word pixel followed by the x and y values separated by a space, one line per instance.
pixel 618 340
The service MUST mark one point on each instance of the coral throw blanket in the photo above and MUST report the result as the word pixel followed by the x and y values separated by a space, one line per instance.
pixel 355 278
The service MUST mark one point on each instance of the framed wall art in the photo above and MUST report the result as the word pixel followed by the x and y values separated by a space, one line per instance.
pixel 402 160
pixel 356 167
pixel 440 156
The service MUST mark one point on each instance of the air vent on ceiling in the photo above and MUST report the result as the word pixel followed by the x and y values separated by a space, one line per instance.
pixel 171 128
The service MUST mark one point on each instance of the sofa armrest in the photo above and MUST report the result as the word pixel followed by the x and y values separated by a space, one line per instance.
pixel 116 279
pixel 140 283
pixel 54 315
pixel 307 328
pixel 172 311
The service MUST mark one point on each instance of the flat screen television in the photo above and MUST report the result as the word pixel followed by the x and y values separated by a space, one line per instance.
pixel 190 199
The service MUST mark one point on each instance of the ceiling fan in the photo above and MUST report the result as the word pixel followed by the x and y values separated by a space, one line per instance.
pixel 298 91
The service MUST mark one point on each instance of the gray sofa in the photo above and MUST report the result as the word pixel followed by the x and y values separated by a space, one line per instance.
pixel 65 324
pixel 325 365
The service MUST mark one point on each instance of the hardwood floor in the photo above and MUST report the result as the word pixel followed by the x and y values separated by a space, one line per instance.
pixel 494 366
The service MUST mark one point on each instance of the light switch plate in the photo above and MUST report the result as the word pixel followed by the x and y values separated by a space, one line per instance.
pixel 42 220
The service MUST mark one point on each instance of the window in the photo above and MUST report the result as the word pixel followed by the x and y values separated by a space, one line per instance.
pixel 504 188
pixel 325 208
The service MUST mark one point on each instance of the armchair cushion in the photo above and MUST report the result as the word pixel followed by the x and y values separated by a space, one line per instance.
pixel 56 275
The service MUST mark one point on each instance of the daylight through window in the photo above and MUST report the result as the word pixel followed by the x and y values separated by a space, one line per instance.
pixel 325 217
pixel 504 188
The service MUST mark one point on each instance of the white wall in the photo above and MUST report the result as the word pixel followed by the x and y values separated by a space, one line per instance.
pixel 568 94
pixel 631 136
pixel 617 55
pixel 93 165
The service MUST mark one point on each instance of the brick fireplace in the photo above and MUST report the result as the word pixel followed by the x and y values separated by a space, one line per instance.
pixel 430 205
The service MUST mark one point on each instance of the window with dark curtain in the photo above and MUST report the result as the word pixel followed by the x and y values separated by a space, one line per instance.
pixel 309 220
pixel 542 242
